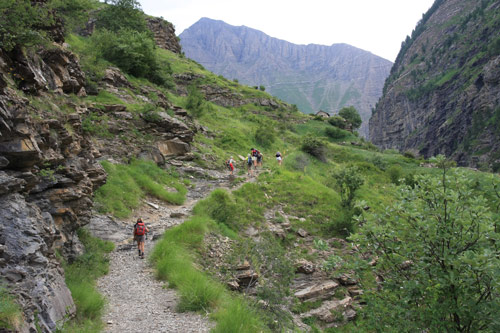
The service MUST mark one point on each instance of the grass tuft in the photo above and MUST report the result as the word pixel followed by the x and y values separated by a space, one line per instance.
pixel 128 184
pixel 81 275
pixel 10 312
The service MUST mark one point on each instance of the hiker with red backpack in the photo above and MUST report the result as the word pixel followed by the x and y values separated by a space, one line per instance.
pixel 140 231
pixel 230 165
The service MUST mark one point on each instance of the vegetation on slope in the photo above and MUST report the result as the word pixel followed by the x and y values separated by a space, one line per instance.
pixel 331 185
pixel 81 276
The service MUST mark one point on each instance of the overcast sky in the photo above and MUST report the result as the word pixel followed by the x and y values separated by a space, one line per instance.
pixel 378 26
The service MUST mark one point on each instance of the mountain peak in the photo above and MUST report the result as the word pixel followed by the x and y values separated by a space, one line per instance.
pixel 314 77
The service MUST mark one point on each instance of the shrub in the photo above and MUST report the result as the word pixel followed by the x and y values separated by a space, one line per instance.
pixel 379 162
pixel 74 13
pixel 440 229
pixel 337 121
pixel 22 24
pixel 132 51
pixel 351 115
pixel 409 154
pixel 395 173
pixel 314 146
pixel 220 207
pixel 195 101
pixel 335 133
pixel 122 14
pixel 348 181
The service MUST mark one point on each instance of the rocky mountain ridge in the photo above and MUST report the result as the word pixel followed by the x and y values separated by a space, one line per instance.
pixel 443 94
pixel 314 77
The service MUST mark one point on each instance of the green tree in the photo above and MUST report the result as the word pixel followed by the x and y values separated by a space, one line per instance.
pixel 348 180
pixel 130 50
pixel 351 115
pixel 122 14
pixel 22 24
pixel 438 256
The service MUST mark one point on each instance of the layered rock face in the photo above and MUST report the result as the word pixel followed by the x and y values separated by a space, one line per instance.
pixel 443 94
pixel 48 172
pixel 314 77
pixel 164 34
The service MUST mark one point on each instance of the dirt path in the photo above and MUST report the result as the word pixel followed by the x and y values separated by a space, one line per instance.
pixel 137 302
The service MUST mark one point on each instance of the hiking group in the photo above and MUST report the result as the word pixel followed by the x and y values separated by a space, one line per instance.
pixel 253 160
pixel 140 233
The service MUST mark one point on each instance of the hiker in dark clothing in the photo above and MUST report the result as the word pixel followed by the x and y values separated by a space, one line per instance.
pixel 140 231
pixel 249 165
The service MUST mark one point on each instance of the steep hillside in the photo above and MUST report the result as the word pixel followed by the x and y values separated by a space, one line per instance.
pixel 443 94
pixel 314 77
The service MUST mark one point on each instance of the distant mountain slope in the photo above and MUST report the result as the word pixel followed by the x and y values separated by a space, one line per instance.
pixel 314 77
pixel 443 94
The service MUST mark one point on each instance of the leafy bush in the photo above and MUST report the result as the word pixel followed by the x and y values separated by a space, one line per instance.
pixel 120 15
pixel 336 133
pixel 313 146
pixel 395 173
pixel 195 101
pixel 348 181
pixel 379 162
pixel 437 258
pixel 337 121
pixel 74 13
pixel 132 51
pixel 22 23
pixel 351 115
pixel 409 154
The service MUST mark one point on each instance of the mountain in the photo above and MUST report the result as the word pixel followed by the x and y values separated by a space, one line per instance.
pixel 314 77
pixel 443 94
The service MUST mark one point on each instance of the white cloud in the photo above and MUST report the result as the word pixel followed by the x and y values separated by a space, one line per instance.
pixel 378 26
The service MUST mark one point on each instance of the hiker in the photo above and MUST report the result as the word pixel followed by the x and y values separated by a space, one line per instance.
pixel 249 164
pixel 254 157
pixel 230 165
pixel 259 158
pixel 279 158
pixel 140 231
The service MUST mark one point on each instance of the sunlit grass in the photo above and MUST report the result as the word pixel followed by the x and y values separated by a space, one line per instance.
pixel 126 185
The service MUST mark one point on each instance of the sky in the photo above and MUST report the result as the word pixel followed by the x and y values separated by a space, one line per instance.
pixel 377 26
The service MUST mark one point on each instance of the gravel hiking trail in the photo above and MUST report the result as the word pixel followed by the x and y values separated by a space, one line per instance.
pixel 137 301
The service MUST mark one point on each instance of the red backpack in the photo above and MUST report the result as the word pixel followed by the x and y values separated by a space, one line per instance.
pixel 140 229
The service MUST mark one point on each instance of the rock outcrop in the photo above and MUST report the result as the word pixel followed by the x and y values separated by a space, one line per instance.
pixel 47 177
pixel 164 34
pixel 443 94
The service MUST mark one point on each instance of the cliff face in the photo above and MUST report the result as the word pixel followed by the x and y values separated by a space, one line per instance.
pixel 443 94
pixel 314 77
pixel 48 172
